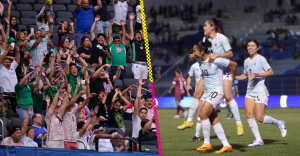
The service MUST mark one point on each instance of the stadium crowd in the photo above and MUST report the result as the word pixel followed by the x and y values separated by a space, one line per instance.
pixel 74 93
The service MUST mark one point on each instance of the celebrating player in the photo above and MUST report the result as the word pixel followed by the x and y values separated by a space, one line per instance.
pixel 256 68
pixel 221 49
pixel 213 97
pixel 179 83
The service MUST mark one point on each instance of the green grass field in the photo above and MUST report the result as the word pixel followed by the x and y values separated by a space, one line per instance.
pixel 175 142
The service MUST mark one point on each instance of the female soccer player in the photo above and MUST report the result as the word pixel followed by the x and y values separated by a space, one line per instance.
pixel 256 68
pixel 221 49
pixel 212 74
pixel 179 83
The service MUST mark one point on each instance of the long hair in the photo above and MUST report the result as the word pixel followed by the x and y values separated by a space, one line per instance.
pixel 47 57
pixel 43 19
pixel 82 41
pixel 62 41
pixel 18 39
pixel 218 24
pixel 15 27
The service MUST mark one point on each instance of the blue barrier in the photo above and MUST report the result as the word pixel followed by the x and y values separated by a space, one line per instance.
pixel 21 151
pixel 274 101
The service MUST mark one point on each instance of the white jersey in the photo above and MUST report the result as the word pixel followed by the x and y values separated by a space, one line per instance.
pixel 195 71
pixel 219 46
pixel 212 75
pixel 256 86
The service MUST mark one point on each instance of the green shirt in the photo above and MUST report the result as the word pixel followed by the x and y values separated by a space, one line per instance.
pixel 119 118
pixel 24 96
pixel 37 101
pixel 5 106
pixel 51 48
pixel 73 81
pixel 118 54
pixel 52 90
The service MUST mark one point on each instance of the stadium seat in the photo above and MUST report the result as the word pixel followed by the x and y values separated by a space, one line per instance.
pixel 118 129
pixel 63 1
pixel 14 1
pixel 110 8
pixel 63 19
pixel 28 14
pixel 40 1
pixel 146 84
pixel 130 81
pixel 24 7
pixel 130 9
pixel 55 39
pixel 64 14
pixel 55 28
pixel 5 132
pixel 134 3
pixel 129 71
pixel 118 83
pixel 57 7
pixel 128 132
pixel 111 15
pixel 12 13
pixel 5 120
pixel 12 7
pixel 34 26
pixel 38 7
pixel 27 1
pixel 128 124
pixel 17 121
pixel 22 27
pixel 28 21
pixel 71 8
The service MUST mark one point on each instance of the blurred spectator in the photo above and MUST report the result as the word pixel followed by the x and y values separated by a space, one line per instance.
pixel 41 19
pixel 146 134
pixel 27 133
pixel 85 49
pixel 39 44
pixel 11 23
pixel 102 25
pixel 63 30
pixel 120 9
pixel 85 18
pixel 14 138
pixel 38 128
pixel 138 24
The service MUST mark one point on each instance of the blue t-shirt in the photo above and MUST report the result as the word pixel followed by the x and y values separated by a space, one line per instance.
pixel 85 19
pixel 39 131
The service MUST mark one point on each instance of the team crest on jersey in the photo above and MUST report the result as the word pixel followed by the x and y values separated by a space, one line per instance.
pixel 119 50
pixel 254 64
pixel 216 45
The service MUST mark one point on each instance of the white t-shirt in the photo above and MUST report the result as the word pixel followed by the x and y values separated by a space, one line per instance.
pixel 136 126
pixel 120 10
pixel 196 72
pixel 138 12
pixel 84 139
pixel 104 145
pixel 8 78
pixel 28 142
pixel 8 141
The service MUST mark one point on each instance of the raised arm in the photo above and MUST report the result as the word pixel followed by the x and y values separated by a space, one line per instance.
pixel 2 57
pixel 147 126
pixel 138 97
pixel 97 18
pixel 93 117
pixel 8 10
pixel 17 55
pixel 51 65
pixel 83 63
pixel 26 78
pixel 95 75
pixel 131 16
pixel 124 40
pixel 118 73
pixel 4 39
pixel 109 39
pixel 66 70
pixel 48 84
pixel 108 80
pixel 127 104
pixel 25 122
pixel 78 5
pixel 85 126
pixel 41 12
pixel 98 7
pixel 39 40
pixel 77 87
pixel 117 90
pixel 51 26
pixel 72 28
pixel 55 99
pixel 7 27
pixel 227 54
pixel 1 9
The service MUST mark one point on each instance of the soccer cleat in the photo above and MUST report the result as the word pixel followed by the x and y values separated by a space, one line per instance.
pixel 228 116
pixel 176 117
pixel 204 147
pixel 282 128
pixel 186 124
pixel 186 114
pixel 240 129
pixel 256 143
pixel 225 149
pixel 195 139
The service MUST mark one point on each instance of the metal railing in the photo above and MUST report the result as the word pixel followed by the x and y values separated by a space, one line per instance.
pixel 84 144
pixel 2 128
pixel 42 139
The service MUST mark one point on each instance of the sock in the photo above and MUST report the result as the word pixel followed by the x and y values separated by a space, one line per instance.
pixel 193 108
pixel 254 128
pixel 206 130
pixel 228 110
pixel 221 134
pixel 198 127
pixel 270 120
pixel 180 108
pixel 235 111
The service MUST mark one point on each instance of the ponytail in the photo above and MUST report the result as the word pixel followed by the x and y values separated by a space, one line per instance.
pixel 218 24
pixel 220 27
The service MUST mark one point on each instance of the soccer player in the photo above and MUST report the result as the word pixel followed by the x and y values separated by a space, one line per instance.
pixel 235 92
pixel 212 74
pixel 179 83
pixel 256 69
pixel 221 49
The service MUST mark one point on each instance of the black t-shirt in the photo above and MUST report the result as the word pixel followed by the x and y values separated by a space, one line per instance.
pixel 103 11
pixel 102 110
pixel 61 35
pixel 138 50
pixel 97 50
pixel 112 123
pixel 86 52
pixel 149 136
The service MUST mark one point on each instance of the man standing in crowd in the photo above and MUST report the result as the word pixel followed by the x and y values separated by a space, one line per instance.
pixel 102 26
pixel 139 67
pixel 85 18
pixel 38 129
pixel 39 44
pixel 120 9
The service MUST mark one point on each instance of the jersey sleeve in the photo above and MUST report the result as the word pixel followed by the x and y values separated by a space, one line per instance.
pixel 191 71
pixel 222 62
pixel 174 80
pixel 225 43
pixel 265 65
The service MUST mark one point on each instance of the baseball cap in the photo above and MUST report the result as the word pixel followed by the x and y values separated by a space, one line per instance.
pixel 9 40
